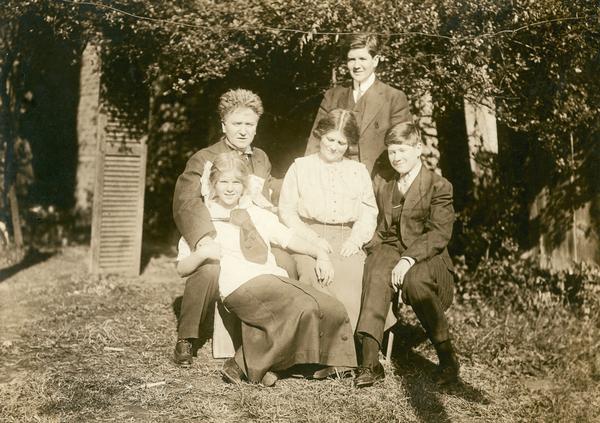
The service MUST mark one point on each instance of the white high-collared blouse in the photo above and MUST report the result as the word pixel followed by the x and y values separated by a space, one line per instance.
pixel 331 193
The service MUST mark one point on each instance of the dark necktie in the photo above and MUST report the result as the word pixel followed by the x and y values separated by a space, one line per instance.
pixel 247 157
pixel 252 245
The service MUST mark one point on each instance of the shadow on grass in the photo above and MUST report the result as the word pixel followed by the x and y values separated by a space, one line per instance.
pixel 89 395
pixel 416 371
pixel 206 328
pixel 32 258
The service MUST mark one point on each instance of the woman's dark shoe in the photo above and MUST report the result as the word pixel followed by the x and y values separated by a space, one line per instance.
pixel 183 353
pixel 231 371
pixel 269 379
pixel 332 372
pixel 367 376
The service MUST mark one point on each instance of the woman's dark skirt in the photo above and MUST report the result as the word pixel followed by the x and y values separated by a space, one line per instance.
pixel 285 322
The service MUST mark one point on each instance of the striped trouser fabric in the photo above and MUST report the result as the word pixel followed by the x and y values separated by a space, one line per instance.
pixel 428 288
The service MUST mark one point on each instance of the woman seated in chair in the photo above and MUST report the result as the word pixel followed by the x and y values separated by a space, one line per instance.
pixel 283 322
pixel 329 200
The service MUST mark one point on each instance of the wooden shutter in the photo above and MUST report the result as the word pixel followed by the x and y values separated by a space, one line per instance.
pixel 118 209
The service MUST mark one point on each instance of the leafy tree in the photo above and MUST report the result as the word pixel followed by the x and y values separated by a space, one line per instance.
pixel 24 25
pixel 170 60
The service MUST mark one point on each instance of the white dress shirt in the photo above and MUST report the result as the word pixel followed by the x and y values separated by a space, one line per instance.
pixel 359 89
pixel 406 180
pixel 330 193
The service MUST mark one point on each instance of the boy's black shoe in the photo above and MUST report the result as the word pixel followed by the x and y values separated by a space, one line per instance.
pixel 449 367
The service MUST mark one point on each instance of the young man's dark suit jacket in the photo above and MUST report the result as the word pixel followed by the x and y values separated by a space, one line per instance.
pixel 383 107
pixel 426 222
pixel 427 215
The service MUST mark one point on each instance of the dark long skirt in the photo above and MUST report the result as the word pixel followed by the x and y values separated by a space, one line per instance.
pixel 285 322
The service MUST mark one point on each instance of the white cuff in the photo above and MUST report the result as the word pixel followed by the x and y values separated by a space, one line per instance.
pixel 410 260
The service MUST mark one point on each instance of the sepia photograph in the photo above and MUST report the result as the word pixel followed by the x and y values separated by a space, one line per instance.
pixel 300 211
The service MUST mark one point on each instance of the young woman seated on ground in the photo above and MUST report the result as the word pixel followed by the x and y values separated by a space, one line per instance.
pixel 284 322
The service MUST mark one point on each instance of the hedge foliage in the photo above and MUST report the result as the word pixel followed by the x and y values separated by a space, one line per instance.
pixel 170 60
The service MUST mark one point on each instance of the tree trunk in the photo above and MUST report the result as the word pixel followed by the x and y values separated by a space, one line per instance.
pixel 454 151
pixel 9 116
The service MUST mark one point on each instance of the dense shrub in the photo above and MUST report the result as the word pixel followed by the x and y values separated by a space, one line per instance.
pixel 520 284
pixel 50 227
pixel 495 213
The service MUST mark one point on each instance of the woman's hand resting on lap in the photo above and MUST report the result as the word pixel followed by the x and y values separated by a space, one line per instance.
pixel 349 248
pixel 324 270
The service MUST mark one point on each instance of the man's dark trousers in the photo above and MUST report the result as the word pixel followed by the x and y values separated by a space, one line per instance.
pixel 428 288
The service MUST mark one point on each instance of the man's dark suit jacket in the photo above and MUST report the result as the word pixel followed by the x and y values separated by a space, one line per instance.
pixel 427 216
pixel 191 215
pixel 384 107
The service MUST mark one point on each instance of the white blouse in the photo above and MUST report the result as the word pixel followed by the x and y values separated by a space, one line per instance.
pixel 235 269
pixel 334 193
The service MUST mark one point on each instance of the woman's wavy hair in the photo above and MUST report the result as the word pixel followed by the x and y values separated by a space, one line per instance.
pixel 239 98
pixel 343 121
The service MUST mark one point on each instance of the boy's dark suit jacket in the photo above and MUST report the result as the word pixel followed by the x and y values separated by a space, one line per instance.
pixel 384 107
pixel 427 216
pixel 190 214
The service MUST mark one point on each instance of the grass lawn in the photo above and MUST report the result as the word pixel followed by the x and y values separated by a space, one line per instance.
pixel 75 348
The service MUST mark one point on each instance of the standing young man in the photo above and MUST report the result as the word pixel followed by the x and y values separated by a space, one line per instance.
pixel 408 255
pixel 377 105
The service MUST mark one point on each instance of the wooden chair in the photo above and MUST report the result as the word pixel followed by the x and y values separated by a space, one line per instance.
pixel 394 311
pixel 390 346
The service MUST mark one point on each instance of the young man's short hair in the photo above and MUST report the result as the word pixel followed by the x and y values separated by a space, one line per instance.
pixel 403 133
pixel 368 41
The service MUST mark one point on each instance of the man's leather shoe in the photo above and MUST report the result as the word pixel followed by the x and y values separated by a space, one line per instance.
pixel 183 353
pixel 367 376
pixel 448 372
pixel 231 371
